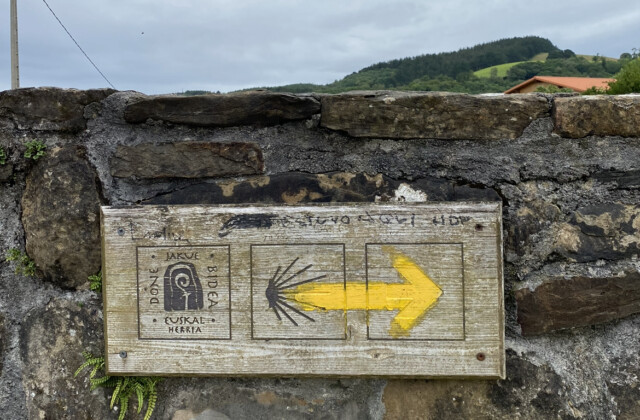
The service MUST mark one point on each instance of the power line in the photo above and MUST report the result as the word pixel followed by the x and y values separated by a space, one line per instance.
pixel 76 42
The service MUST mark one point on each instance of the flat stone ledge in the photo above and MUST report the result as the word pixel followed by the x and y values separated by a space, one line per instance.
pixel 187 160
pixel 250 108
pixel 437 115
pixel 578 301
pixel 599 115
pixel 47 108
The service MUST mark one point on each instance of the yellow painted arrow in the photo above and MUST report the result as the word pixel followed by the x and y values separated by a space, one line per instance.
pixel 413 298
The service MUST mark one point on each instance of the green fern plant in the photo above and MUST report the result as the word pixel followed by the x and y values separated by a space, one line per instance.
pixel 124 387
pixel 25 265
pixel 96 282
pixel 35 149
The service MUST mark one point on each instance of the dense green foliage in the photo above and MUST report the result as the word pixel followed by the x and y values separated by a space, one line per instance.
pixel 95 282
pixel 24 264
pixel 574 66
pixel 35 149
pixel 628 80
pixel 124 387
pixel 3 156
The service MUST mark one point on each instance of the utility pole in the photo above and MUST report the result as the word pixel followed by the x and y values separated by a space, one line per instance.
pixel 15 73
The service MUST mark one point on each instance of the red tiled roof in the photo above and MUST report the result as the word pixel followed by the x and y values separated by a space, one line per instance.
pixel 579 84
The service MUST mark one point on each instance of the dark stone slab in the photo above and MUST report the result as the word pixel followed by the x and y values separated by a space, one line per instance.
pixel 249 108
pixel 48 108
pixel 536 390
pixel 52 340
pixel 435 115
pixel 622 179
pixel 60 215
pixel 292 188
pixel 604 231
pixel 577 301
pixel 597 115
pixel 296 187
pixel 187 160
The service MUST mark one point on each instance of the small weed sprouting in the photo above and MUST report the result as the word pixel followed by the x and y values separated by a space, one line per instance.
pixel 124 387
pixel 96 282
pixel 35 149
pixel 3 156
pixel 25 265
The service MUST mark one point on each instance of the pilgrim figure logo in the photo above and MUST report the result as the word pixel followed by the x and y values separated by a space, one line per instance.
pixel 182 288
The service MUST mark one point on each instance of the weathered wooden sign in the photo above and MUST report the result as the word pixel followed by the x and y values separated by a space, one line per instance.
pixel 350 290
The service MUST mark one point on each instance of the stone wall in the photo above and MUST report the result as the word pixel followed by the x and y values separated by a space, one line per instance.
pixel 566 169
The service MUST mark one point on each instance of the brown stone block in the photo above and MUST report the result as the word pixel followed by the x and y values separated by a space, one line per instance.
pixel 250 108
pixel 48 108
pixel 436 115
pixel 187 160
pixel 599 115
pixel 60 217
pixel 577 302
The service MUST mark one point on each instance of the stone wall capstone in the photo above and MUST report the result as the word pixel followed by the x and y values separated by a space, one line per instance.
pixel 565 168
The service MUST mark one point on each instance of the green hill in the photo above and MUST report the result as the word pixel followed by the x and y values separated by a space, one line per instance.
pixel 400 73
pixel 469 70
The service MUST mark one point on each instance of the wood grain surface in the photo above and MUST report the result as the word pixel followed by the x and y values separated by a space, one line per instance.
pixel 362 290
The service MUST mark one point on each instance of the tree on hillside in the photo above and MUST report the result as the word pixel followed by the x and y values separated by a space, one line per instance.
pixel 628 80
pixel 561 54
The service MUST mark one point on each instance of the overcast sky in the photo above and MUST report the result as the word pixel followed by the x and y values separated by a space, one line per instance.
pixel 165 46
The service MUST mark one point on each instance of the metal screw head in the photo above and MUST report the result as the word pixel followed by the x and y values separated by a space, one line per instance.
pixel 123 354
pixel 481 356
pixel 120 231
